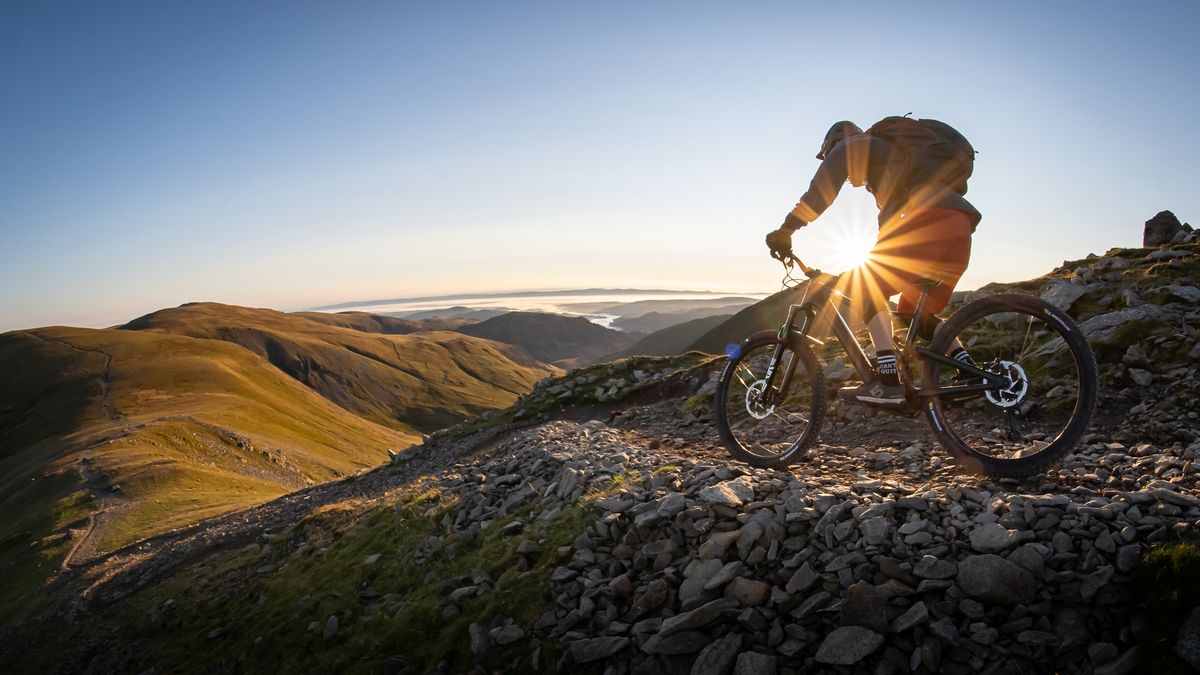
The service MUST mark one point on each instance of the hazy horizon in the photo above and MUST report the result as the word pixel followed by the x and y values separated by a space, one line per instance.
pixel 294 155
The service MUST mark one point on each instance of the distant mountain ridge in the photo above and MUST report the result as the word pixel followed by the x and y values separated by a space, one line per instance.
pixel 552 338
pixel 513 294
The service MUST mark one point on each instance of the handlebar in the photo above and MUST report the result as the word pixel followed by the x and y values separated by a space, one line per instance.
pixel 788 259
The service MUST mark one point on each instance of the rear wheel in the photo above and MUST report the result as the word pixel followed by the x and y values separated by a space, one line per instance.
pixel 1050 387
pixel 765 427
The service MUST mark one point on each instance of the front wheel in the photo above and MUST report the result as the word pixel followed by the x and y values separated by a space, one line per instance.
pixel 1046 403
pixel 761 424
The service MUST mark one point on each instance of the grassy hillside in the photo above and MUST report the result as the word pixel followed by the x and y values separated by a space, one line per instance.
pixel 149 432
pixel 419 381
pixel 552 337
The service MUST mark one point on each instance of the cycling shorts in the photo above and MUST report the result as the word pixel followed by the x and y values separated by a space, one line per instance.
pixel 934 244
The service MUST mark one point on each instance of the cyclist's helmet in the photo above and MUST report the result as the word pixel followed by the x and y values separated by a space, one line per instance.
pixel 836 134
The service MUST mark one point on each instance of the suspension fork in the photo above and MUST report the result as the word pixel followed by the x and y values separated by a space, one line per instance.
pixel 786 331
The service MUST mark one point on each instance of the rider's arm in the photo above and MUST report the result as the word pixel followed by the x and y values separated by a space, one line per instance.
pixel 828 180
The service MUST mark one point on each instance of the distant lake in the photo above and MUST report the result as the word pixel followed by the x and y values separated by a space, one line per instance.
pixel 600 306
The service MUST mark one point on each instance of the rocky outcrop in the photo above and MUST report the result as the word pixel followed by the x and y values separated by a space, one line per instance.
pixel 1164 228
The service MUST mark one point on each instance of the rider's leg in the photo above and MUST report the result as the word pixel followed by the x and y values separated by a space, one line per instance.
pixel 880 328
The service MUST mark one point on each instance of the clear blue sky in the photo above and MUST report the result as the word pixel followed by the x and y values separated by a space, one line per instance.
pixel 292 154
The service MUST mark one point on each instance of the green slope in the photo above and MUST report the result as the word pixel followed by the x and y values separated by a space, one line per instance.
pixel 151 432
pixel 423 381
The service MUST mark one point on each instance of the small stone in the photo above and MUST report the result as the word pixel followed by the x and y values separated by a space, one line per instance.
pixel 724 575
pixel 507 634
pixel 718 657
pixel 930 567
pixel 991 538
pixel 331 627
pixel 1127 558
pixel 682 642
pixel 697 618
pixel 371 559
pixel 721 494
pixel 914 616
pixel 753 663
pixel 865 605
pixel 1141 377
pixel 802 580
pixel 748 592
pixel 847 645
pixel 1188 644
pixel 594 649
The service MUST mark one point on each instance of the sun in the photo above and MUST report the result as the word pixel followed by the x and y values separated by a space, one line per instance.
pixel 852 247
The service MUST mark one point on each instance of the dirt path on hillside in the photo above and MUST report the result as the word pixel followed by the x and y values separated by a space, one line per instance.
pixel 106 405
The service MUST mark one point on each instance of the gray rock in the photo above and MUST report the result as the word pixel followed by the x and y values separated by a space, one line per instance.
pixel 1141 377
pixel 724 575
pixel 1122 665
pixel 802 580
pixel 991 538
pixel 945 630
pixel 716 545
pixel 479 640
pixel 594 649
pixel 728 493
pixel 1062 294
pixel 653 598
pixel 753 663
pixel 1161 229
pixel 331 627
pixel 1186 293
pixel 718 657
pixel 990 578
pixel 697 618
pixel 912 617
pixel 1127 558
pixel 1037 638
pixel 847 645
pixel 748 592
pixel 371 559
pixel 930 567
pixel 507 634
pixel 682 642
pixel 865 605
pixel 1071 628
pixel 671 505
pixel 1188 644
pixel 876 530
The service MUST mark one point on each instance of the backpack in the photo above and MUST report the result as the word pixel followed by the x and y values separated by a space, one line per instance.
pixel 934 152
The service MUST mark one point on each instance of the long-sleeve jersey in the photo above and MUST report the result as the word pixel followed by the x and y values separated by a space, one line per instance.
pixel 870 161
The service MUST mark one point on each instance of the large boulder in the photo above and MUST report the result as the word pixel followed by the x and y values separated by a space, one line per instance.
pixel 1161 229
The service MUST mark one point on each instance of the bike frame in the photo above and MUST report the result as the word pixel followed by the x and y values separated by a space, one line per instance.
pixel 813 302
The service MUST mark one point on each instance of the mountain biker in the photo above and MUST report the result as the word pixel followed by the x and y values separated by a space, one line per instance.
pixel 925 227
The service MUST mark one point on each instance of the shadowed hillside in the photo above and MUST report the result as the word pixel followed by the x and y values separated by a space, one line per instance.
pixel 421 381
pixel 381 323
pixel 568 340
pixel 675 339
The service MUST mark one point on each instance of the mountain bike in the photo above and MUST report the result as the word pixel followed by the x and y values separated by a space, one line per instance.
pixel 1019 410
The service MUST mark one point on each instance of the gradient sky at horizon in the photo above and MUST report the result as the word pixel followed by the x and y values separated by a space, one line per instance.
pixel 298 154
